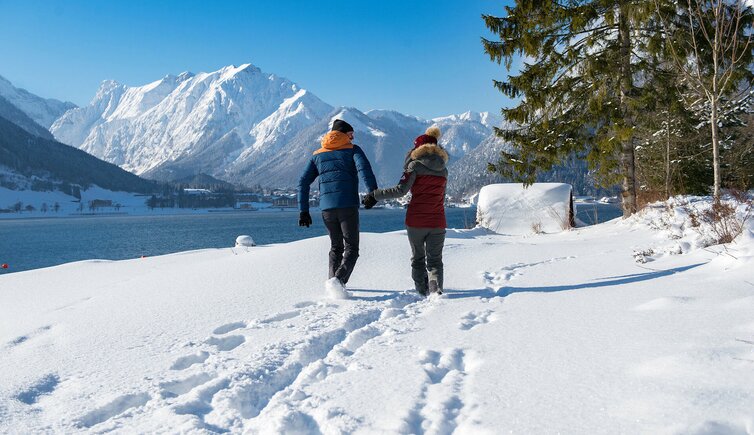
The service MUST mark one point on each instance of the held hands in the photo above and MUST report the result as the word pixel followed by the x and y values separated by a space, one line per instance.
pixel 369 201
pixel 304 219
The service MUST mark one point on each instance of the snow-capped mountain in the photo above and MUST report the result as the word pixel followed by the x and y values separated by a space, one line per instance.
pixel 44 111
pixel 242 125
pixel 13 114
pixel 185 124
pixel 469 173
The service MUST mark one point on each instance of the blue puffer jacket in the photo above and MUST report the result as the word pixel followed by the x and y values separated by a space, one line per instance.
pixel 338 168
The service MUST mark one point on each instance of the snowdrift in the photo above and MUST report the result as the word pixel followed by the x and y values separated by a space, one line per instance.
pixel 511 208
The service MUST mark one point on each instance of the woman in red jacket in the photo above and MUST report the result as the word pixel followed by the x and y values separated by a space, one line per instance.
pixel 425 175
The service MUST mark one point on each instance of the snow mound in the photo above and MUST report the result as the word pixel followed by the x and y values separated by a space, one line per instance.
pixel 512 208
pixel 245 241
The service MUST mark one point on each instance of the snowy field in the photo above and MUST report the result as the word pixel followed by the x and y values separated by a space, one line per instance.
pixel 550 333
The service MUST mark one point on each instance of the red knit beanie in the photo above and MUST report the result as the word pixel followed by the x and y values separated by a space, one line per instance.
pixel 430 136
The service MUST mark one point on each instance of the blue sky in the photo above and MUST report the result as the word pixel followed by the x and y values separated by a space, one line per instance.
pixel 420 57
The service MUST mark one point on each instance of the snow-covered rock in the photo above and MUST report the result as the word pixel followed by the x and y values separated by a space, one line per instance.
pixel 512 208
pixel 245 240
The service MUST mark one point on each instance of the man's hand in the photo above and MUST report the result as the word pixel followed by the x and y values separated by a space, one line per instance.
pixel 304 219
pixel 369 201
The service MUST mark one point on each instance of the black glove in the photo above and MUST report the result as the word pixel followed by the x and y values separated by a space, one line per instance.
pixel 369 201
pixel 304 219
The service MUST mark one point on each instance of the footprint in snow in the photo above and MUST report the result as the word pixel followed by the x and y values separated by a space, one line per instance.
pixel 116 407
pixel 224 329
pixel 281 316
pixel 23 338
pixel 474 318
pixel 225 344
pixel 44 385
pixel 438 365
pixel 182 386
pixel 187 361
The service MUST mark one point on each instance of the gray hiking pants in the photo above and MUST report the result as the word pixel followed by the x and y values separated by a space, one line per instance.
pixel 343 226
pixel 426 256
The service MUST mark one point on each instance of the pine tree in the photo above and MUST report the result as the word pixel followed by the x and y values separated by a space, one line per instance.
pixel 577 85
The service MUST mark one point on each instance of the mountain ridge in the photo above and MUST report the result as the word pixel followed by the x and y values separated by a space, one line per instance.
pixel 44 111
pixel 242 125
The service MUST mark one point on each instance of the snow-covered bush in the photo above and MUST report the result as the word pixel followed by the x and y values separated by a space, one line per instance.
pixel 511 208
pixel 693 222
pixel 722 220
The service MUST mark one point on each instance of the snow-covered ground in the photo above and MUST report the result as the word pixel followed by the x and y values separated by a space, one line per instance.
pixel 551 333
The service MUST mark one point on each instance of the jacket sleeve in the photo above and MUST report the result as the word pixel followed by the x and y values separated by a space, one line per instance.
pixel 401 189
pixel 364 168
pixel 304 183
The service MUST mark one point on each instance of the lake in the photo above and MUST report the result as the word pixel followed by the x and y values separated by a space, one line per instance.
pixel 33 243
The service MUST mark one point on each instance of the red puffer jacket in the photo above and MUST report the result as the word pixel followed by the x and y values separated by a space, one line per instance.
pixel 425 177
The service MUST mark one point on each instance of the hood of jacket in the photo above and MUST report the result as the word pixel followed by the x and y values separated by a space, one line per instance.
pixel 335 140
pixel 431 156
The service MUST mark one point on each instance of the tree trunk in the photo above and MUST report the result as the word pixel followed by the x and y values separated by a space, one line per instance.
pixel 715 148
pixel 627 145
pixel 717 52
pixel 667 161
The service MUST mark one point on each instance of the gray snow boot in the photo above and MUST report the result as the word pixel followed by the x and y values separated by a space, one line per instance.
pixel 434 288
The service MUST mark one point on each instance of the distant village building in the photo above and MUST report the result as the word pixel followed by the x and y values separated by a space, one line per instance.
pixel 197 192
pixel 285 201
pixel 99 203
pixel 248 197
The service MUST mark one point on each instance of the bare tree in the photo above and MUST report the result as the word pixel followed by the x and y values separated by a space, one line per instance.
pixel 711 45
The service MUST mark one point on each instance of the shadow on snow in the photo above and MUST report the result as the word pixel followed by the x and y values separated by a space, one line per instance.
pixel 600 282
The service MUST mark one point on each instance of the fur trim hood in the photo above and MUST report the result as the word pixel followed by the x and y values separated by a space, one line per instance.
pixel 429 150
pixel 432 156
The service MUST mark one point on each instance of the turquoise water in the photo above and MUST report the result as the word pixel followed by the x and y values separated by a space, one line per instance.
pixel 33 243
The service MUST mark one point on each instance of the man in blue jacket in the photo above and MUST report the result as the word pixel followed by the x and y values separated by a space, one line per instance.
pixel 338 165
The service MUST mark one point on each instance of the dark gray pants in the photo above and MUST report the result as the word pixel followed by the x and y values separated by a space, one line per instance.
pixel 343 226
pixel 426 256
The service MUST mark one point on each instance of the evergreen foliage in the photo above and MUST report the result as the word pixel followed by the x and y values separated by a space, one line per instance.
pixel 577 85
pixel 605 81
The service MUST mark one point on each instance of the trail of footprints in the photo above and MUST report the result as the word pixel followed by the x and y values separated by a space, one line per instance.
pixel 278 371
pixel 496 281
pixel 275 376
pixel 440 404
pixel 244 389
